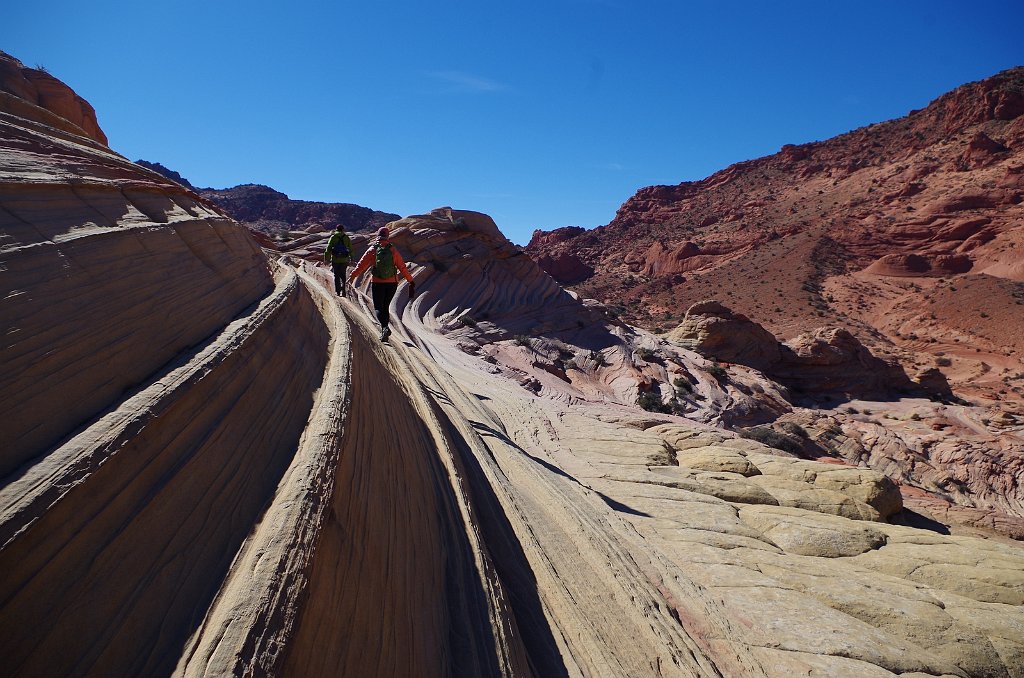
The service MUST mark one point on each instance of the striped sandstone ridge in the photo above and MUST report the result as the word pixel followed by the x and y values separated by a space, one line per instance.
pixel 36 95
pixel 770 565
pixel 284 495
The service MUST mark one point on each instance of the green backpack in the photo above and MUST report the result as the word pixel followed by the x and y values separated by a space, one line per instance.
pixel 384 262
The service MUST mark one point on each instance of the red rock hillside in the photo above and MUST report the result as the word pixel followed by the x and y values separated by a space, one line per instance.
pixel 274 214
pixel 278 222
pixel 908 233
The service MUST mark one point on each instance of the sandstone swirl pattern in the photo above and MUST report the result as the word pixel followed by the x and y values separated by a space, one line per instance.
pixel 212 467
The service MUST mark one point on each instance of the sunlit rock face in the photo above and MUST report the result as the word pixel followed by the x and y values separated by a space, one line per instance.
pixel 36 95
pixel 148 410
pixel 906 233
pixel 213 466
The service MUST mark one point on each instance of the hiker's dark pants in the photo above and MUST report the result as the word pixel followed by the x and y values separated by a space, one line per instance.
pixel 340 271
pixel 383 293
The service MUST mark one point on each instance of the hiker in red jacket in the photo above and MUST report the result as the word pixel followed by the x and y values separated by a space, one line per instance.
pixel 386 263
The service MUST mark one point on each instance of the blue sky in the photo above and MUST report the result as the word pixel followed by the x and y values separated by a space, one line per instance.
pixel 541 114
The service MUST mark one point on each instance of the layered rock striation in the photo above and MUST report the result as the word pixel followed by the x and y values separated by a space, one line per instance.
pixel 236 477
pixel 34 94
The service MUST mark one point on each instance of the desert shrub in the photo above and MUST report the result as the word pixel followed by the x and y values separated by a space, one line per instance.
pixel 717 371
pixel 645 354
pixel 651 401
pixel 772 438
pixel 523 340
pixel 467 320
pixel 598 358
pixel 682 386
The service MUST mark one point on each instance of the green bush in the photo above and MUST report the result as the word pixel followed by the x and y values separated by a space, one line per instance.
pixel 717 372
pixel 651 401
pixel 682 385
pixel 523 340
pixel 645 354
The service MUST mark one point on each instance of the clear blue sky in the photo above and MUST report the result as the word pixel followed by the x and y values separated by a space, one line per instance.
pixel 541 114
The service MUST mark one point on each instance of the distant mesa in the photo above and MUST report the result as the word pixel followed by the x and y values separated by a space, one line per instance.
pixel 274 215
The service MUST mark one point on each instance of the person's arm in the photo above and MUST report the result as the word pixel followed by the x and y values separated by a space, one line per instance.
pixel 400 264
pixel 364 263
pixel 330 248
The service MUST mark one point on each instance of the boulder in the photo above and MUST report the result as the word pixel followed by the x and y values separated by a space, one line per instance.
pixel 565 267
pixel 712 329
pixel 805 533
pixel 831 359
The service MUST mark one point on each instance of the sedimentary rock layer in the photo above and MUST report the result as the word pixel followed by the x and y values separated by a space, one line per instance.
pixel 239 478
pixel 94 250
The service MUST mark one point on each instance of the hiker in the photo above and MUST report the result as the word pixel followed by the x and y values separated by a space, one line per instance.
pixel 338 254
pixel 386 262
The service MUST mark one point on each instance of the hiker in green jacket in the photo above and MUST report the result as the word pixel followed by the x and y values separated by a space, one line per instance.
pixel 338 254
pixel 386 263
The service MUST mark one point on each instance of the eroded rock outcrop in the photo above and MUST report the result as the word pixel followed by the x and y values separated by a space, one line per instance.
pixel 34 94
pixel 714 330
pixel 827 360
pixel 907 233
pixel 273 491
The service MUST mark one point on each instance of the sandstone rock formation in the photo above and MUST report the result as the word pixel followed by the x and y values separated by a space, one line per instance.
pixel 714 330
pixel 828 360
pixel 905 233
pixel 34 94
pixel 261 487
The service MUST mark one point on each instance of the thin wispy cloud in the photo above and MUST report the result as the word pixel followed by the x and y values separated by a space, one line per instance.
pixel 458 81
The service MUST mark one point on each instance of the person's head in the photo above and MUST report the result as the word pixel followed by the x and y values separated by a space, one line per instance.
pixel 339 227
pixel 383 233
